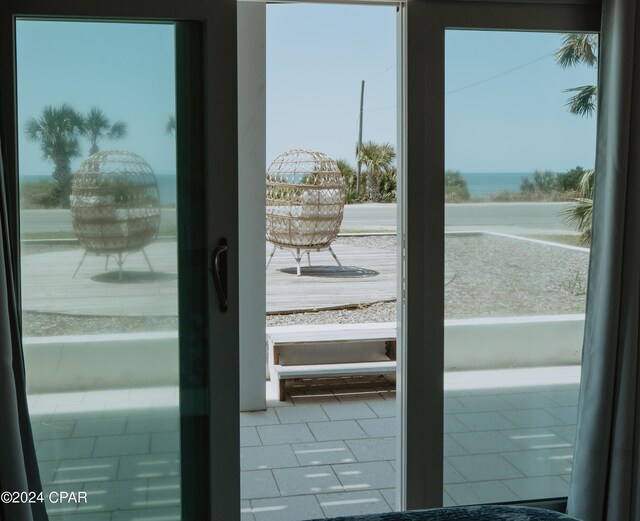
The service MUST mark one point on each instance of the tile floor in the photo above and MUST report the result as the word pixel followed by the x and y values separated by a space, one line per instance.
pixel 329 450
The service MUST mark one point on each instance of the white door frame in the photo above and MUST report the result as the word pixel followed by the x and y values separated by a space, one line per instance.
pixel 423 147
pixel 207 162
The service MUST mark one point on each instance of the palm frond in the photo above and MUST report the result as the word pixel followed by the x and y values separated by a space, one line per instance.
pixel 578 48
pixel 118 130
pixel 581 212
pixel 584 102
pixel 170 127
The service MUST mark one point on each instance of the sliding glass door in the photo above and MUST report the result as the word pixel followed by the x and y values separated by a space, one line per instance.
pixel 127 241
pixel 496 268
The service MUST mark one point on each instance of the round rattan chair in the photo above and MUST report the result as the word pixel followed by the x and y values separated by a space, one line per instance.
pixel 305 203
pixel 115 206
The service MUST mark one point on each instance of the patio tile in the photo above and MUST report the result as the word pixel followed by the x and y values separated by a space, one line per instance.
pixel 531 439
pixel 295 508
pixel 353 503
pixel 451 475
pixel 484 421
pixel 384 409
pixel 569 415
pixel 51 430
pixel 323 453
pixel 94 516
pixel 249 437
pixel 379 427
pixel 480 492
pixel 452 447
pixel 255 484
pixel 451 424
pixel 280 434
pixel 348 411
pixel 165 442
pixel 359 476
pixel 338 430
pixel 99 427
pixel 301 413
pixel 304 399
pixel 373 449
pixel 267 417
pixel 389 495
pixel 564 398
pixel 483 442
pixel 446 499
pixel 538 488
pixel 148 514
pixel 531 418
pixel 67 448
pixel 48 471
pixel 453 405
pixel 86 470
pixel 153 423
pixel 483 467
pixel 306 480
pixel 543 462
pixel 484 403
pixel 529 401
pixel 163 492
pixel 61 508
pixel 123 445
pixel 115 495
pixel 149 466
pixel 567 432
pixel 268 457
pixel 245 511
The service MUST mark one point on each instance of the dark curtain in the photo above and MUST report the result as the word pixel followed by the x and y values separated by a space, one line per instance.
pixel 604 485
pixel 18 465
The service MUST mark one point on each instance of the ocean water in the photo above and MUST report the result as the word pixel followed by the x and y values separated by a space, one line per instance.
pixel 484 184
pixel 480 184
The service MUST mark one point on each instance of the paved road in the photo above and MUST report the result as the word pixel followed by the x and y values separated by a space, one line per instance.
pixel 503 217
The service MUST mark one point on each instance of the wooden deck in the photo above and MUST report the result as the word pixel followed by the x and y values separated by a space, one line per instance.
pixel 369 275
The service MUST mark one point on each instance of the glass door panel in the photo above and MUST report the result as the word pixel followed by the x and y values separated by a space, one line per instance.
pixel 99 264
pixel 326 444
pixel 520 146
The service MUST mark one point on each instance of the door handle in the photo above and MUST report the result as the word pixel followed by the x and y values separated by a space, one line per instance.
pixel 219 273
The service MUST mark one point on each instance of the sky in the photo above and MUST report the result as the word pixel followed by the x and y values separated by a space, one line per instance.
pixel 505 105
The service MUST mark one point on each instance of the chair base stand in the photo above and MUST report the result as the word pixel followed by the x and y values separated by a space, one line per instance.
pixel 299 252
pixel 119 257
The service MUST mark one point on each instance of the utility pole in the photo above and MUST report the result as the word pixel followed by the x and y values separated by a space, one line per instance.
pixel 360 141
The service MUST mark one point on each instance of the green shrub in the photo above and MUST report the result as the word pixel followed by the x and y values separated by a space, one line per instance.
pixel 40 194
pixel 571 179
pixel 455 187
pixel 543 182
pixel 350 181
pixel 388 185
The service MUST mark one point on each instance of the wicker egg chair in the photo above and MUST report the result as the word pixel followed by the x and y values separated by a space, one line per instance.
pixel 305 203
pixel 115 206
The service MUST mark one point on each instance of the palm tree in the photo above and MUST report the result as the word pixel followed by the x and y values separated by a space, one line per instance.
pixel 581 213
pixel 581 49
pixel 57 131
pixel 97 126
pixel 170 127
pixel 377 158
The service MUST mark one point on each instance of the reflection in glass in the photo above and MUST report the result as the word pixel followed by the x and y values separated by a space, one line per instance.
pixel 99 263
